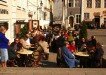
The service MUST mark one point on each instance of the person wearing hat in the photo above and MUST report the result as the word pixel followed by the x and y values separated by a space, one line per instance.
pixel 3 44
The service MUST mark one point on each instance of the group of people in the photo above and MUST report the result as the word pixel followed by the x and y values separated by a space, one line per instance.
pixel 65 43
pixel 33 41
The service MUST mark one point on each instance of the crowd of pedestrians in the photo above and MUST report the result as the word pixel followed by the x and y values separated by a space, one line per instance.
pixel 42 41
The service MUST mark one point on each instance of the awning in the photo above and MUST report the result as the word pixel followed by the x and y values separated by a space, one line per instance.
pixel 96 13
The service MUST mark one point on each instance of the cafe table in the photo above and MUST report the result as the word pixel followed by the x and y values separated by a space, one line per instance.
pixel 25 51
pixel 81 54
pixel 83 57
pixel 25 57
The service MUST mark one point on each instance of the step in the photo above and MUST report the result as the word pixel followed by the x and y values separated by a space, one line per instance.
pixel 52 71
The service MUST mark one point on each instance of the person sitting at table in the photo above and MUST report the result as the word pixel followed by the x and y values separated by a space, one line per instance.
pixel 84 48
pixel 12 52
pixel 25 41
pixel 16 45
pixel 71 46
pixel 67 56
pixel 98 55
pixel 91 51
pixel 83 42
pixel 92 41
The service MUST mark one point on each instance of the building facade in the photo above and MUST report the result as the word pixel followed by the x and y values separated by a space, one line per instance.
pixel 45 13
pixel 27 12
pixel 94 11
pixel 39 12
pixel 57 12
pixel 5 16
pixel 71 12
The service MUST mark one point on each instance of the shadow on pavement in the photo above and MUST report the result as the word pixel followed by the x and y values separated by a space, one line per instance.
pixel 104 63
pixel 48 64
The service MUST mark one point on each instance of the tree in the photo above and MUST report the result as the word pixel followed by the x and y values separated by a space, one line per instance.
pixel 23 31
pixel 83 31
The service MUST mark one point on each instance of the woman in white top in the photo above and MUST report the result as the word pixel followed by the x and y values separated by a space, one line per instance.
pixel 25 41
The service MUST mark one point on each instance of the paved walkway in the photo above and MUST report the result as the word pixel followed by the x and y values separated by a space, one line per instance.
pixel 51 71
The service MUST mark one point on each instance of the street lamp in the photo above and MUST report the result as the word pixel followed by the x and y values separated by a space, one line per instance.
pixel 30 15
pixel 40 8
pixel 41 4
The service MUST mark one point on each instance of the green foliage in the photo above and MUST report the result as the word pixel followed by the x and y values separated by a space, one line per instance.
pixel 23 31
pixel 83 31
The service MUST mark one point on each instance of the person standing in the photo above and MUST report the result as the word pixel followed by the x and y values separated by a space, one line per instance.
pixel 4 44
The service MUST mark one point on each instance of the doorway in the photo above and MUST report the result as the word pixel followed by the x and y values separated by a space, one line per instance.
pixel 97 21
pixel 71 21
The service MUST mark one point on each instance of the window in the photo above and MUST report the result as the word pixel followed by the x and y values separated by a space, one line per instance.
pixel 3 11
pixel 77 3
pixel 86 16
pixel 104 3
pixel 78 18
pixel 5 1
pixel 89 3
pixel 97 3
pixel 45 14
pixel 71 3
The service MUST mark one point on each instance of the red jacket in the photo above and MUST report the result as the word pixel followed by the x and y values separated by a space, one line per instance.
pixel 72 48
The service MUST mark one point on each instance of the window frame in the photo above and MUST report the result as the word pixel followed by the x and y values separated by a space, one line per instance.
pixel 78 19
pixel 70 3
pixel 77 3
pixel 104 3
pixel 89 3
pixel 86 16
pixel 3 1
pixel 97 3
